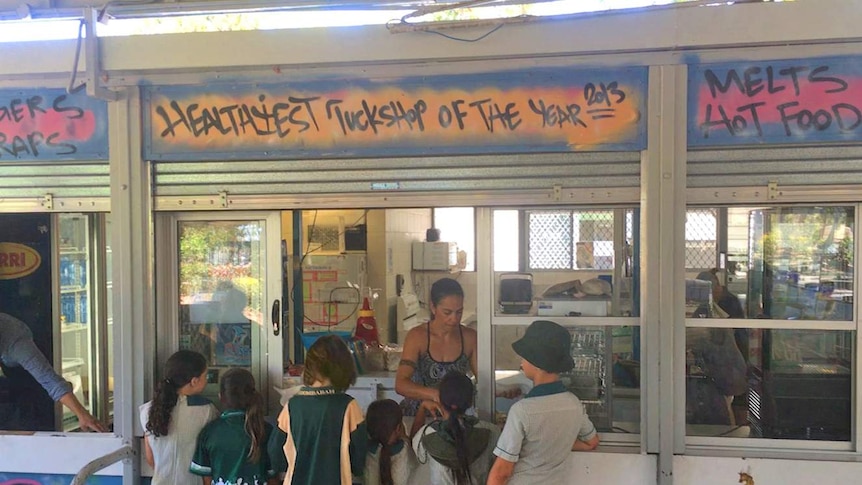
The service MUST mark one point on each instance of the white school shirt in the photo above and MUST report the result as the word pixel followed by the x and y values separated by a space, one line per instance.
pixel 539 433
pixel 441 474
pixel 172 454
pixel 403 464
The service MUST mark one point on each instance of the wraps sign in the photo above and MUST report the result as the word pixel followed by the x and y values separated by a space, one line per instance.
pixel 49 124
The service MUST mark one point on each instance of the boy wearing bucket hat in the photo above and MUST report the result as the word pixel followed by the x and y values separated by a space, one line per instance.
pixel 550 421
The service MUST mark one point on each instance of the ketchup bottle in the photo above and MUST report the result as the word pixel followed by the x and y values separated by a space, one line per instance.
pixel 366 325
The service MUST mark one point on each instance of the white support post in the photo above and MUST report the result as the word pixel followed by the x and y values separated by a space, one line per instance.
pixel 132 270
pixel 662 267
pixel 94 59
pixel 484 311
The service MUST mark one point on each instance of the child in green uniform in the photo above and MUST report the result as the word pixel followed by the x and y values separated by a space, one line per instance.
pixel 232 449
pixel 321 428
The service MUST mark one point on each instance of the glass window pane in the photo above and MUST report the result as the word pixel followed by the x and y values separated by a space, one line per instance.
pixel 606 377
pixel 221 284
pixel 594 239
pixel 572 267
pixel 507 247
pixel 109 258
pixel 76 315
pixel 700 238
pixel 550 239
pixel 783 263
pixel 456 225
pixel 765 383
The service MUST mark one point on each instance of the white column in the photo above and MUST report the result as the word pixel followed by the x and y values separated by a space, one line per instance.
pixel 132 270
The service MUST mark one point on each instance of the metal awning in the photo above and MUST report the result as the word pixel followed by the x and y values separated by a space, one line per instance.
pixel 55 9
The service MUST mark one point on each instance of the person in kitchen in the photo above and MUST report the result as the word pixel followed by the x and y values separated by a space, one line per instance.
pixel 436 348
pixel 23 366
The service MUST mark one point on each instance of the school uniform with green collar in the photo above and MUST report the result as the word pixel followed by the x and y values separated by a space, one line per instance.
pixel 403 464
pixel 322 438
pixel 222 452
pixel 539 433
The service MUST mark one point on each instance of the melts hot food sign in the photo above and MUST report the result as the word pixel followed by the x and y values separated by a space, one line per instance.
pixel 554 109
pixel 17 260
pixel 778 102
pixel 50 124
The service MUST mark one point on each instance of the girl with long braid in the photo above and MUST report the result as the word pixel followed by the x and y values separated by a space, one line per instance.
pixel 175 416
pixel 459 447
pixel 232 449
pixel 389 461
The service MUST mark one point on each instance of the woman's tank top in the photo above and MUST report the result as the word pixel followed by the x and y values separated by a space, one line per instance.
pixel 430 372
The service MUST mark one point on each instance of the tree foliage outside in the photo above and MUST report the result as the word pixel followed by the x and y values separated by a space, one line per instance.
pixel 816 241
pixel 212 254
pixel 215 22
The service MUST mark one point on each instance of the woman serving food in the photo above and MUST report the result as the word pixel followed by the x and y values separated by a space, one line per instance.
pixel 436 348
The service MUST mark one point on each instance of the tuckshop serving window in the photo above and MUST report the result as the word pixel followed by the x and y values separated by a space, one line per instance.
pixel 577 266
pixel 771 326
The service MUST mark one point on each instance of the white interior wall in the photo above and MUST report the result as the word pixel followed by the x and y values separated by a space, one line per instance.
pixel 403 227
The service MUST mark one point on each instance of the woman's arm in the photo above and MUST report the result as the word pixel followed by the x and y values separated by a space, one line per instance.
pixel 85 420
pixel 409 358
pixel 421 415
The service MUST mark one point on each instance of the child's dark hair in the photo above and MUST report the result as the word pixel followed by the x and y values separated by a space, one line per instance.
pixel 456 396
pixel 238 392
pixel 445 287
pixel 180 369
pixel 382 419
pixel 329 358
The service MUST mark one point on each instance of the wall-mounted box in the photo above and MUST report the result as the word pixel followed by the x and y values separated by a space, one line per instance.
pixel 435 256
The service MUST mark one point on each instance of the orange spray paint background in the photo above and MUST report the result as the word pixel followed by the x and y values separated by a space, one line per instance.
pixel 617 121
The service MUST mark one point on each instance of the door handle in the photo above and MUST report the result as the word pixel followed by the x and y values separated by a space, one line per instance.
pixel 276 317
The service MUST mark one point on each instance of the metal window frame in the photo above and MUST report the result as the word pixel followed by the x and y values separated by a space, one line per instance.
pixel 489 320
pixel 167 286
pixel 795 196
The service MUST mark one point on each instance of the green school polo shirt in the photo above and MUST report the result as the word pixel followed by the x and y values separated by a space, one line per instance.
pixel 323 437
pixel 222 452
